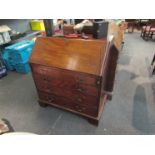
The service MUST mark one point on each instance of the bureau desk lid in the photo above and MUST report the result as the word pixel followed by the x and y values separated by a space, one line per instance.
pixel 79 55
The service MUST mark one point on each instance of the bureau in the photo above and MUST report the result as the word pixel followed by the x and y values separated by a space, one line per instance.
pixel 74 74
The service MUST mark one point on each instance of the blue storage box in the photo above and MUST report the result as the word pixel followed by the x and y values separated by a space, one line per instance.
pixel 21 57
pixel 23 68
pixel 8 62
pixel 20 52
pixel 20 45
pixel 8 65
pixel 17 55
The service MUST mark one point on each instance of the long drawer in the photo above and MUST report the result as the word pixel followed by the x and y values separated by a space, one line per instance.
pixel 69 104
pixel 66 75
pixel 66 84
pixel 71 94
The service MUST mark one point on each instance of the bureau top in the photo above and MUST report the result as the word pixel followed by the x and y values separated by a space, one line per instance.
pixel 80 55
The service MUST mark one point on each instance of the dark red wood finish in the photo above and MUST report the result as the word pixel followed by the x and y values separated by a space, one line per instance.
pixel 74 74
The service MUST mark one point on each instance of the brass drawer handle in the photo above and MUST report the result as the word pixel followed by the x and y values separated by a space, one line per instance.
pixel 80 109
pixel 80 99
pixel 51 99
pixel 80 89
pixel 47 88
pixel 83 108
pixel 45 78
pixel 98 82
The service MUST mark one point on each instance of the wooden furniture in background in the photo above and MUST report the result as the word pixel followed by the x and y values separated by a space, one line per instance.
pixel 153 65
pixel 68 29
pixel 132 24
pixel 74 74
pixel 143 22
pixel 148 31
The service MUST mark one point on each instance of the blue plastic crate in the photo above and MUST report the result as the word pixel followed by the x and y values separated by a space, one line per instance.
pixel 8 65
pixel 17 55
pixel 21 57
pixel 20 52
pixel 8 62
pixel 20 45
pixel 23 68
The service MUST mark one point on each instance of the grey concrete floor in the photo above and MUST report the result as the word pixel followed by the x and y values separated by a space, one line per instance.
pixel 132 110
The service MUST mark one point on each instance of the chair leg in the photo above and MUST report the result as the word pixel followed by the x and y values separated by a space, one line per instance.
pixel 153 60
pixel 151 35
pixel 152 64
pixel 141 34
pixel 144 35
pixel 153 72
pixel 133 27
pixel 147 37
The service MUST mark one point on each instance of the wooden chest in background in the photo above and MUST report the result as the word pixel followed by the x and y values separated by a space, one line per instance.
pixel 74 74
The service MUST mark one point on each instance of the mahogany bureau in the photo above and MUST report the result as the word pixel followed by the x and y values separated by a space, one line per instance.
pixel 74 74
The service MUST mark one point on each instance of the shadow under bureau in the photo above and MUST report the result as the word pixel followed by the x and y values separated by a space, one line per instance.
pixel 74 74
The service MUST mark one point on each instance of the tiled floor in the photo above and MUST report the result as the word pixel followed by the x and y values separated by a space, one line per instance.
pixel 132 110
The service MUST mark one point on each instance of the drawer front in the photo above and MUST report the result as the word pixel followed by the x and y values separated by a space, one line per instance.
pixel 66 84
pixel 71 94
pixel 66 75
pixel 69 104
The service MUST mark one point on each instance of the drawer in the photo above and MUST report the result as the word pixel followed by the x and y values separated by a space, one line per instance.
pixel 71 94
pixel 69 104
pixel 67 84
pixel 66 75
pixel 51 98
pixel 92 111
